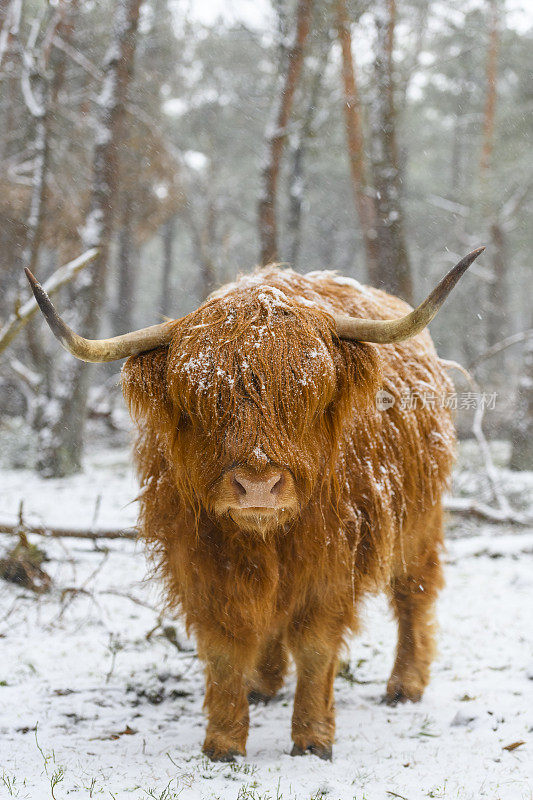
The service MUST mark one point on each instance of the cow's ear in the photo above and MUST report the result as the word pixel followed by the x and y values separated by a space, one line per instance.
pixel 144 386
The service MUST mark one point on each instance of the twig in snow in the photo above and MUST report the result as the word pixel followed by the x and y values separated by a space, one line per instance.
pixel 83 588
pixel 131 597
pixel 114 647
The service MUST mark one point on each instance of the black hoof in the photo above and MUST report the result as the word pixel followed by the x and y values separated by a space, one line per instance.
pixel 397 697
pixel 393 699
pixel 323 752
pixel 226 758
pixel 255 698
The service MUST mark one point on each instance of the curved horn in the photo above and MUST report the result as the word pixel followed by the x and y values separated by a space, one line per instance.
pixel 98 350
pixel 386 331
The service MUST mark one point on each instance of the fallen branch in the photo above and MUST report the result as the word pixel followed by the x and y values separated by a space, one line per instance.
pixel 466 507
pixel 21 316
pixel 74 533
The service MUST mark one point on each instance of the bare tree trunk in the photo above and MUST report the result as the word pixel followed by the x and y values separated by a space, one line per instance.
pixel 494 297
pixel 277 134
pixel 42 76
pixel 3 12
pixel 298 153
pixel 522 437
pixel 490 98
pixel 40 111
pixel 37 94
pixel 62 441
pixel 208 269
pixel 9 30
pixel 394 267
pixel 203 239
pixel 126 269
pixel 463 100
pixel 498 299
pixel 168 245
pixel 364 201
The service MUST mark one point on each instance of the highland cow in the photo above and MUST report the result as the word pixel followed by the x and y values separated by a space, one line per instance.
pixel 275 494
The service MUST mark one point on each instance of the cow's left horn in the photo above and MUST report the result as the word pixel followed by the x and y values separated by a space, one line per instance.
pixel 386 331
pixel 98 350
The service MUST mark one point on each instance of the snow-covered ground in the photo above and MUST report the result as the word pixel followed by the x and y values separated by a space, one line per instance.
pixel 100 697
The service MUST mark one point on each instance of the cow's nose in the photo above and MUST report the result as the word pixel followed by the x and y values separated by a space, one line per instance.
pixel 258 492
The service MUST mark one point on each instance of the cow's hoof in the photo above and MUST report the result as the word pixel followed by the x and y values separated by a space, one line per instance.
pixel 255 698
pixel 226 757
pixel 325 752
pixel 399 695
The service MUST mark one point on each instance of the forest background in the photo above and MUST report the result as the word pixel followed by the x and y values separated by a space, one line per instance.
pixel 189 142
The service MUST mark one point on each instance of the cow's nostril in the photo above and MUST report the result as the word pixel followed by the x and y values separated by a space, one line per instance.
pixel 241 490
pixel 276 488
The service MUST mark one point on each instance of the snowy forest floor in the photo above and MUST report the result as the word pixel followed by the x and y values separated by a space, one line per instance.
pixel 100 697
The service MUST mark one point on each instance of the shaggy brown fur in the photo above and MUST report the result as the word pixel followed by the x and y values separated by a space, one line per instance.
pixel 256 376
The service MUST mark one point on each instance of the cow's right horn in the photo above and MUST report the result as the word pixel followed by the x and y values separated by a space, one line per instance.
pixel 98 351
pixel 387 331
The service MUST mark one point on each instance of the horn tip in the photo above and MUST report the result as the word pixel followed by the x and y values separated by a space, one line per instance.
pixel 471 257
pixel 32 280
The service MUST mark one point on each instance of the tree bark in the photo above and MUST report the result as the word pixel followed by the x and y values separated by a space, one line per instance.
pixel 491 95
pixel 364 201
pixel 9 31
pixel 394 267
pixel 126 269
pixel 203 238
pixel 166 270
pixel 3 12
pixel 495 296
pixel 37 96
pixel 277 135
pixel 41 70
pixel 62 441
pixel 498 298
pixel 463 100
pixel 298 153
pixel 522 436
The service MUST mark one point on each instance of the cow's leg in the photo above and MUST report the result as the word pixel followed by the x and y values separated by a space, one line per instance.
pixel 226 704
pixel 413 595
pixel 313 720
pixel 270 669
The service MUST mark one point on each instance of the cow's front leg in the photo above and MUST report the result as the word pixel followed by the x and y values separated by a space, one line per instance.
pixel 226 704
pixel 313 720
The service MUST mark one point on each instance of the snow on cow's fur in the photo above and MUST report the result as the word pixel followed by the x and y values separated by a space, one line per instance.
pixel 257 377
